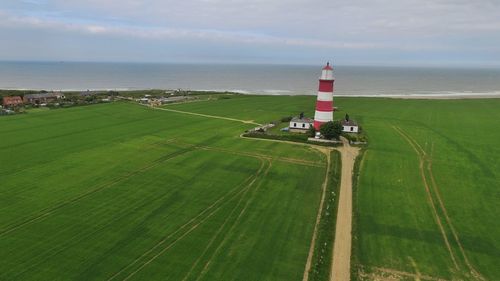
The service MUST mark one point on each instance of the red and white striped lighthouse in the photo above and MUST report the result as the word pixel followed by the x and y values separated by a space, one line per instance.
pixel 324 102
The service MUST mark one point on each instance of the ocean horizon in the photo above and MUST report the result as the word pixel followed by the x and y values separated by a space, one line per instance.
pixel 383 81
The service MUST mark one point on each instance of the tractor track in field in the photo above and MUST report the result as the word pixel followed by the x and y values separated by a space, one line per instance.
pixel 341 261
pixel 208 116
pixel 388 274
pixel 77 238
pixel 44 213
pixel 256 155
pixel 186 225
pixel 429 196
pixel 432 188
pixel 214 237
pixel 342 250
pixel 80 131
pixel 22 190
pixel 242 212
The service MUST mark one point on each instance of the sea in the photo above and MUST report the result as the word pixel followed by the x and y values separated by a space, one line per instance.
pixel 250 78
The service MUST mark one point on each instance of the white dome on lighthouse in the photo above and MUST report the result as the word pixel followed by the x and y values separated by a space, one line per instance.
pixel 327 72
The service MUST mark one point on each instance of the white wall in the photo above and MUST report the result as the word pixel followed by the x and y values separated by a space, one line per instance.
pixel 350 129
pixel 299 125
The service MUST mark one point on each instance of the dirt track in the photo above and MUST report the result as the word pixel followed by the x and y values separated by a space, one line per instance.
pixel 341 263
pixel 208 116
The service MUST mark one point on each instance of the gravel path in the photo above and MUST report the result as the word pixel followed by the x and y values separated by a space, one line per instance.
pixel 341 263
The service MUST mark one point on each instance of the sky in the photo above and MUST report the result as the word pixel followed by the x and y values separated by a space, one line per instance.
pixel 357 32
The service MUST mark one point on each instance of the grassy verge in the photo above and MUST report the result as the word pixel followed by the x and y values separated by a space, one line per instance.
pixel 323 250
pixel 354 244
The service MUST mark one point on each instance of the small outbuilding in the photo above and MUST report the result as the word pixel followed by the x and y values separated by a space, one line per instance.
pixel 300 124
pixel 350 126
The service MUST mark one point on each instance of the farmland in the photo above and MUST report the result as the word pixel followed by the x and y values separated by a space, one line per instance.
pixel 426 204
pixel 428 190
pixel 124 192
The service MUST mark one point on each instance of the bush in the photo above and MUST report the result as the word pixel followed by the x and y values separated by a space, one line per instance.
pixel 331 130
pixel 311 132
pixel 286 119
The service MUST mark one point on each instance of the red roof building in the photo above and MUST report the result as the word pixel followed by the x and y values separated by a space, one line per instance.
pixel 12 101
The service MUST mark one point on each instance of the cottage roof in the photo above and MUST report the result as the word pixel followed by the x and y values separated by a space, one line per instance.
pixel 12 100
pixel 302 120
pixel 349 123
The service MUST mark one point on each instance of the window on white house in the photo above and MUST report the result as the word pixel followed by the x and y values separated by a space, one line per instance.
pixel 303 125
pixel 352 128
pixel 295 125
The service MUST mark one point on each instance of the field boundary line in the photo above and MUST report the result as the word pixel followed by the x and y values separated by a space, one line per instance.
pixel 207 115
pixel 186 225
pixel 48 211
pixel 207 264
pixel 428 192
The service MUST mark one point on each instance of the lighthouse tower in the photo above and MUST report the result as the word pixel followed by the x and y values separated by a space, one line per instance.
pixel 324 103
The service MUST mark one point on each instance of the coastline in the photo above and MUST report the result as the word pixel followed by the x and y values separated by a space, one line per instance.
pixel 431 96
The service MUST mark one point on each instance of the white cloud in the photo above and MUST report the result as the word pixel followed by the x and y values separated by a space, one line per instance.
pixel 458 27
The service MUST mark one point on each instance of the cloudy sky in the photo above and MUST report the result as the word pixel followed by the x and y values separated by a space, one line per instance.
pixel 355 32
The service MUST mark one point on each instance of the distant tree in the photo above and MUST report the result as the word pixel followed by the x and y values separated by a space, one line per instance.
pixel 331 130
pixel 346 117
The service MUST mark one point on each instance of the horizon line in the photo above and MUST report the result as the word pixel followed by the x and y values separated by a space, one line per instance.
pixel 408 65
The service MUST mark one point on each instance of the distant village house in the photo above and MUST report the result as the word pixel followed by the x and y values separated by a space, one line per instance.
pixel 12 101
pixel 41 98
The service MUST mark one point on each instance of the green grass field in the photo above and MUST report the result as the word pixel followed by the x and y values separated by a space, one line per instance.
pixel 398 218
pixel 123 192
pixel 438 221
